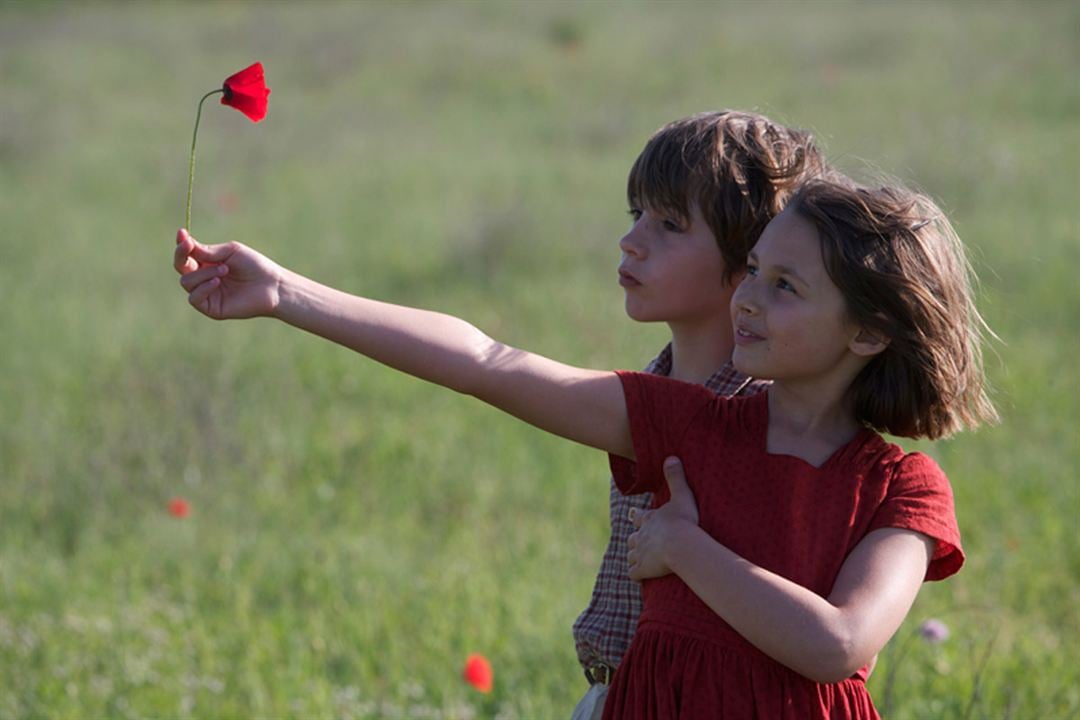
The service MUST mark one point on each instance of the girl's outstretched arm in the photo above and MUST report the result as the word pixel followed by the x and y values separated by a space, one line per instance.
pixel 824 639
pixel 587 406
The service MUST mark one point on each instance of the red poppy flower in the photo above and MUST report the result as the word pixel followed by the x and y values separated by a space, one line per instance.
pixel 179 507
pixel 247 92
pixel 478 673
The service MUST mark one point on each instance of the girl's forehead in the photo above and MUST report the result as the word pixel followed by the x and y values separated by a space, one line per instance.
pixel 790 244
pixel 789 234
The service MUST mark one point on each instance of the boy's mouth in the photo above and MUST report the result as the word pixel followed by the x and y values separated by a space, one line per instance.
pixel 627 280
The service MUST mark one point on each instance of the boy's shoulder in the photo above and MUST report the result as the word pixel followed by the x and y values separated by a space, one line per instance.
pixel 726 381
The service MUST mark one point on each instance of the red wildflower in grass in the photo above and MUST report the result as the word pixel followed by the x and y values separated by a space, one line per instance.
pixel 247 92
pixel 179 507
pixel 478 673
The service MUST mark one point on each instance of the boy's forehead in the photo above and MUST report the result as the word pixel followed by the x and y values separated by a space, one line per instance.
pixel 664 203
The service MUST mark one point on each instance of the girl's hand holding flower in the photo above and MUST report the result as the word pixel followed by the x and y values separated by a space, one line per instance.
pixel 228 281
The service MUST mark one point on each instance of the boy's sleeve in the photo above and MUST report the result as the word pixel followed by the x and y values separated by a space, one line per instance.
pixel 660 409
pixel 920 499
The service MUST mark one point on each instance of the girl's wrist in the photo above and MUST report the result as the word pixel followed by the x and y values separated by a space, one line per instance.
pixel 286 294
pixel 680 538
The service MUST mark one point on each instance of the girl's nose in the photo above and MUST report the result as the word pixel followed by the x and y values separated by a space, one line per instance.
pixel 743 297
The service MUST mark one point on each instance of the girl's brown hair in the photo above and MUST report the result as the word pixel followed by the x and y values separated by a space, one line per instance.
pixel 741 168
pixel 903 272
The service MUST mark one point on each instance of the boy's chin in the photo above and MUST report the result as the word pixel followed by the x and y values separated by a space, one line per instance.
pixel 640 314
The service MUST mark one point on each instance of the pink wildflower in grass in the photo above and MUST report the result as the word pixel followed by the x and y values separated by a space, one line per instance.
pixel 934 631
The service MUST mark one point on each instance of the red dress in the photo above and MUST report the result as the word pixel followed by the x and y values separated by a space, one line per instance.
pixel 776 511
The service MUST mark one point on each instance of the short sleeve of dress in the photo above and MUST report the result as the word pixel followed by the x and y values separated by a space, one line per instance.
pixel 920 499
pixel 659 409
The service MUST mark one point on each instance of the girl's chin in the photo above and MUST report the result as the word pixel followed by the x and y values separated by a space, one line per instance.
pixel 742 363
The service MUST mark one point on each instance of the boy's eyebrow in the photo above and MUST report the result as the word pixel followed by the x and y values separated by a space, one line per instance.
pixel 782 269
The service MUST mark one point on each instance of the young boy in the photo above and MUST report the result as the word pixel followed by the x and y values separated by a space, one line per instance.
pixel 700 194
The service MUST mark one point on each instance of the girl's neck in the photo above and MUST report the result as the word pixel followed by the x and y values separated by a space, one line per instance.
pixel 699 350
pixel 809 422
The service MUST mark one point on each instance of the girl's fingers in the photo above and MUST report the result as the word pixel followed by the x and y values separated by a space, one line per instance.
pixel 190 253
pixel 198 297
pixel 186 265
pixel 182 260
pixel 193 278
pixel 638 516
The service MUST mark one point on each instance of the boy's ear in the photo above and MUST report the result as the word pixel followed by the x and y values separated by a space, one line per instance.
pixel 868 343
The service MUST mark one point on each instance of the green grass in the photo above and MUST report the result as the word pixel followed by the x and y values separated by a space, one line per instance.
pixel 356 534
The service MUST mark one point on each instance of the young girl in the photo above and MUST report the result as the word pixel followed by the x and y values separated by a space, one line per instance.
pixel 814 533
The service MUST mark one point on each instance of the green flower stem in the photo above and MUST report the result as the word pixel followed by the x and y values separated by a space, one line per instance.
pixel 191 165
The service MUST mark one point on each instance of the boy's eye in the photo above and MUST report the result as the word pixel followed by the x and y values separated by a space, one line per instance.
pixel 672 226
pixel 634 213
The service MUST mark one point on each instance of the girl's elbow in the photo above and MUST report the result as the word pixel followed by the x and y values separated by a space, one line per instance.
pixel 838 660
pixel 833 673
pixel 470 373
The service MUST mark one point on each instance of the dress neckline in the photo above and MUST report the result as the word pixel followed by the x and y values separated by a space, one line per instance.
pixel 857 441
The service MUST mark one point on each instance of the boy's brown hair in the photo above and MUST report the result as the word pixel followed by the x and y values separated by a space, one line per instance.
pixel 740 168
pixel 904 276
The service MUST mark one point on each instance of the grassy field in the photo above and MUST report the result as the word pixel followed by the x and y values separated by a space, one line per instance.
pixel 355 534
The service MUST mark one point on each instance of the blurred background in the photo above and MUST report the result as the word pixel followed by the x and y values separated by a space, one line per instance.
pixel 348 536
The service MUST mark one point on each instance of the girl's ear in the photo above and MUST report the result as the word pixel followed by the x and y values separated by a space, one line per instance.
pixel 868 343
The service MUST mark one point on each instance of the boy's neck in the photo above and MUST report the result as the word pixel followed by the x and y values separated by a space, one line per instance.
pixel 698 352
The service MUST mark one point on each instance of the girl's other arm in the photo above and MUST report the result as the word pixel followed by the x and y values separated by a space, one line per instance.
pixel 234 281
pixel 824 639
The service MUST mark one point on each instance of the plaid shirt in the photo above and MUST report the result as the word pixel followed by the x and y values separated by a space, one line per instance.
pixel 603 631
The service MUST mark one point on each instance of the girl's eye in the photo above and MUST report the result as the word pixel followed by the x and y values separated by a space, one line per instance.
pixel 785 285
pixel 751 270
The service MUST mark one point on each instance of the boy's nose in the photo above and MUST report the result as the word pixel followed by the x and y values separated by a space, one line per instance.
pixel 631 244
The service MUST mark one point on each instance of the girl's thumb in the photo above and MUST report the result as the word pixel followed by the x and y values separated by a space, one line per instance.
pixel 211 253
pixel 676 479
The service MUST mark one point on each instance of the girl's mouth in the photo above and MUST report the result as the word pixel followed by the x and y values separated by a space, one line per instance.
pixel 745 337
